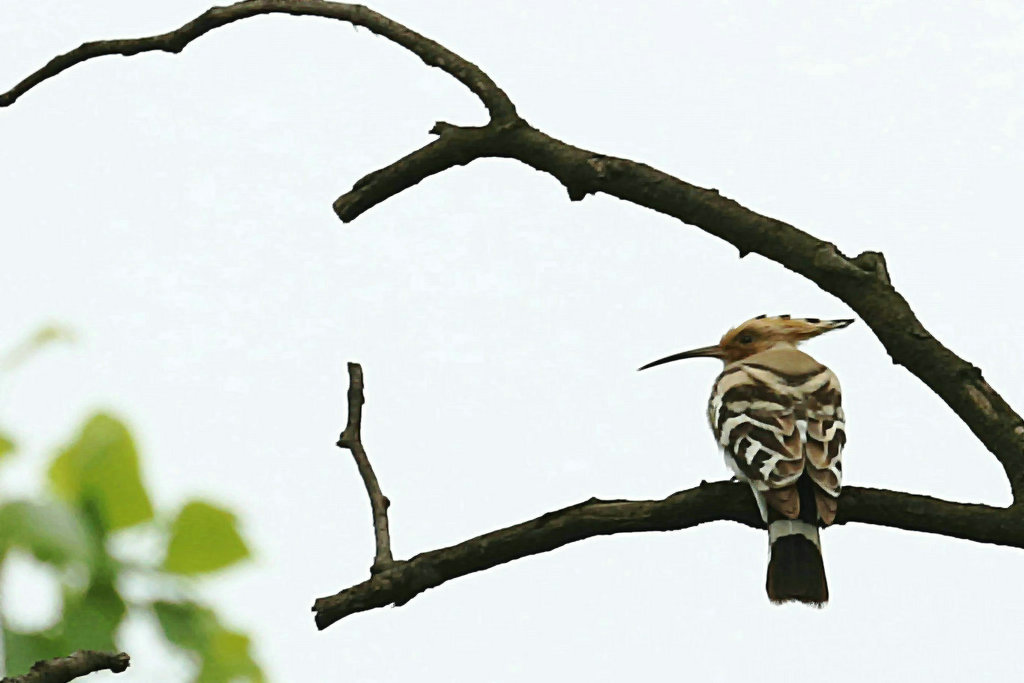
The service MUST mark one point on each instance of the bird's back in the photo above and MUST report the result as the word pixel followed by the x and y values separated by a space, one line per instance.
pixel 776 415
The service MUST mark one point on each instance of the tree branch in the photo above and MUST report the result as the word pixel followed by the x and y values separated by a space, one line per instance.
pixel 708 502
pixel 351 439
pixel 64 669
pixel 432 54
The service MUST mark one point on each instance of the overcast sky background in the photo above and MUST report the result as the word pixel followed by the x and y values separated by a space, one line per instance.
pixel 175 210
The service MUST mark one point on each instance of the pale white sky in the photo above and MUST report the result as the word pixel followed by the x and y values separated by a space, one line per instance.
pixel 176 212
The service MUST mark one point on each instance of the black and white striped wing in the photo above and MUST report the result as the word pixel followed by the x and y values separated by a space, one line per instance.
pixel 757 429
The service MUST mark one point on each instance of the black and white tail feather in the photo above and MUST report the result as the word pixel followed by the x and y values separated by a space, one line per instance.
pixel 796 569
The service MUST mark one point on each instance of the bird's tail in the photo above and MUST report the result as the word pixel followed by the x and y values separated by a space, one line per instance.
pixel 795 570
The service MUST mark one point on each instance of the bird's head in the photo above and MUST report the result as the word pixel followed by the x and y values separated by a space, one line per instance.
pixel 757 335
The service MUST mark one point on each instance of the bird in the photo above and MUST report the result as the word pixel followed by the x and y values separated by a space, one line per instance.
pixel 778 419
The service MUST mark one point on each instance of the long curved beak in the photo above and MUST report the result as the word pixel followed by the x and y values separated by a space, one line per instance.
pixel 703 352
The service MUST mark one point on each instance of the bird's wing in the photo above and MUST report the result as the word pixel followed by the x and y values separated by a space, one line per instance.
pixel 754 420
pixel 826 435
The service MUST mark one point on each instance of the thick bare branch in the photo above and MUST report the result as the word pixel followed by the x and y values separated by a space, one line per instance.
pixel 705 503
pixel 75 665
pixel 432 54
pixel 351 439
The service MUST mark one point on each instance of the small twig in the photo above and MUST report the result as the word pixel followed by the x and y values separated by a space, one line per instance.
pixel 64 669
pixel 351 439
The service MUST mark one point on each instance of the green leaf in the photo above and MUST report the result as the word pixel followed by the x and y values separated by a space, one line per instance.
pixel 50 531
pixel 22 650
pixel 90 620
pixel 229 659
pixel 204 538
pixel 101 469
pixel 186 624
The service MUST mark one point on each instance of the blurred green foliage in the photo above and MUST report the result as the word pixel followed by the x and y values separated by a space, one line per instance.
pixel 96 492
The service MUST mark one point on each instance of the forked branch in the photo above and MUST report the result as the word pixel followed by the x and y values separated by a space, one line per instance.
pixel 706 503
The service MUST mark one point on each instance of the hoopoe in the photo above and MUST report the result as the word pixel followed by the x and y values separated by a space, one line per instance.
pixel 777 416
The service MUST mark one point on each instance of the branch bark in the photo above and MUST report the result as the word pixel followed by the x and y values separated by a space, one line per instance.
pixel 862 282
pixel 75 665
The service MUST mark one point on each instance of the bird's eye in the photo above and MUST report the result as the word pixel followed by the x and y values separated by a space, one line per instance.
pixel 746 338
